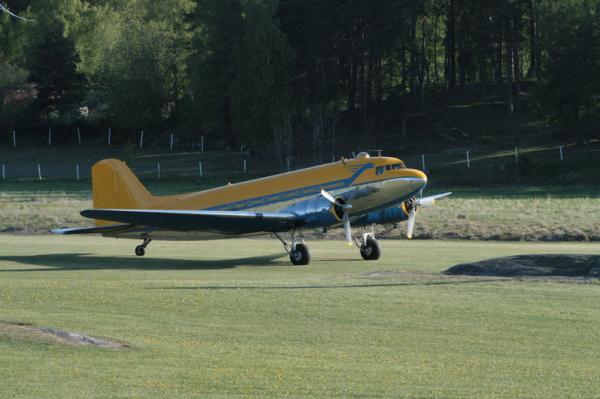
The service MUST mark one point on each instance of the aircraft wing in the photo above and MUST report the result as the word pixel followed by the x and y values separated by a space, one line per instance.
pixel 93 230
pixel 223 222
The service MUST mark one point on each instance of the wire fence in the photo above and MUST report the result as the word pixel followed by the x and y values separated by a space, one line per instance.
pixel 107 137
pixel 214 164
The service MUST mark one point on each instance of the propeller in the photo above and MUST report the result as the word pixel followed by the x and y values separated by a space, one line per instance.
pixel 347 228
pixel 345 219
pixel 428 202
pixel 410 224
pixel 328 197
pixel 414 205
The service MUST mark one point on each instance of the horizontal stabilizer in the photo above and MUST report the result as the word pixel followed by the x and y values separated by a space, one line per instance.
pixel 223 222
pixel 92 230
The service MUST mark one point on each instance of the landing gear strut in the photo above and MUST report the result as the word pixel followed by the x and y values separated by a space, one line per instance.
pixel 140 250
pixel 298 251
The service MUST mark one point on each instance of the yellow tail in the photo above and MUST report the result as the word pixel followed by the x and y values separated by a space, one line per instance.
pixel 114 186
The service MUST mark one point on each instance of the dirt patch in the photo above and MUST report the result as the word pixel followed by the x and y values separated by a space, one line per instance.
pixel 532 266
pixel 55 335
pixel 384 274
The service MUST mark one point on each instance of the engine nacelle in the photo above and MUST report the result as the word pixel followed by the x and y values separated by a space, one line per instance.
pixel 316 212
pixel 385 216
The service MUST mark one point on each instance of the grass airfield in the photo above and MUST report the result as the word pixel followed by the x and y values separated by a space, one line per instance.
pixel 233 318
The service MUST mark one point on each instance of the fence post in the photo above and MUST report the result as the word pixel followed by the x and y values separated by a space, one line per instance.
pixel 245 166
pixel 562 154
pixel 516 155
pixel 109 135
pixel 49 137
pixel 3 173
pixel 77 170
pixel 171 141
pixel 288 163
pixel 468 160
pixel 200 168
pixel 142 139
pixel 202 144
pixel 39 171
pixel 79 136
pixel 423 161
pixel 14 139
pixel 158 170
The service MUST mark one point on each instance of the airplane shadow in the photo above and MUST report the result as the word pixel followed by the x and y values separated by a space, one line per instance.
pixel 82 261
pixel 327 286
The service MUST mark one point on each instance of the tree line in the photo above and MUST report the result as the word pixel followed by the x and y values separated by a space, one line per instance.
pixel 292 73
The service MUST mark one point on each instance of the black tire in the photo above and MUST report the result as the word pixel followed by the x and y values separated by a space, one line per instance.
pixel 140 250
pixel 370 250
pixel 300 255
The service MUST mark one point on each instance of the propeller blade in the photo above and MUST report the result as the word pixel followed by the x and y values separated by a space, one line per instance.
pixel 410 225
pixel 430 201
pixel 328 196
pixel 347 229
pixel 345 219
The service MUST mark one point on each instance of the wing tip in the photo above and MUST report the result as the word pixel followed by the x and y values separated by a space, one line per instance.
pixel 91 230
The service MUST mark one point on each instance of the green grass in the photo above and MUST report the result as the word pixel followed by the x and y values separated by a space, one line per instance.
pixel 232 318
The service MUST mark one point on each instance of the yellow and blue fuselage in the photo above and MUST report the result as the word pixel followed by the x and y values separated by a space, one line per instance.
pixel 376 187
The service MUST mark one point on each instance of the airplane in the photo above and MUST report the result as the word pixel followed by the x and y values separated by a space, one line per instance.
pixel 358 192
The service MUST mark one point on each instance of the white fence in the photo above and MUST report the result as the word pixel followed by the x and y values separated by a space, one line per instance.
pixel 213 165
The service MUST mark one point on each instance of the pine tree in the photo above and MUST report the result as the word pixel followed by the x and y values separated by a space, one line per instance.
pixel 52 63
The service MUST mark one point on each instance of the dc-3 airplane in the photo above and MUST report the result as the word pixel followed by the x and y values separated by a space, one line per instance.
pixel 359 192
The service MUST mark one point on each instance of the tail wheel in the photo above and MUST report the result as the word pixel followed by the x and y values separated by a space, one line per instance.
pixel 300 255
pixel 370 250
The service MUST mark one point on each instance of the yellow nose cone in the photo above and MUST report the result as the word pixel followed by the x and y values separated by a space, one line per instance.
pixel 418 174
pixel 418 179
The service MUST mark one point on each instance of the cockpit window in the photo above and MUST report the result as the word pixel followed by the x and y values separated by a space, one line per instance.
pixel 397 166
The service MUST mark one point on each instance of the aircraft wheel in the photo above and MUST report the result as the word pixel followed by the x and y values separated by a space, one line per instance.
pixel 140 250
pixel 300 255
pixel 370 250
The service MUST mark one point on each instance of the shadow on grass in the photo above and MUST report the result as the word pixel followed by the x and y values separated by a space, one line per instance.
pixel 66 262
pixel 328 286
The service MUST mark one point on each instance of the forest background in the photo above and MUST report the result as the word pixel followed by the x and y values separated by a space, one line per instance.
pixel 292 76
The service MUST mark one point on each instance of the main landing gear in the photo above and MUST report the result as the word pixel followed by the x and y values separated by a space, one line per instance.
pixel 369 246
pixel 300 253
pixel 370 249
pixel 298 250
pixel 140 250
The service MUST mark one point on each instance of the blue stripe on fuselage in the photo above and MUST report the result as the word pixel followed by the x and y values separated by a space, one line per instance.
pixel 292 194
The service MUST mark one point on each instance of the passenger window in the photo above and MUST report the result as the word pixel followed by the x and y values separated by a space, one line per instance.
pixel 380 170
pixel 388 167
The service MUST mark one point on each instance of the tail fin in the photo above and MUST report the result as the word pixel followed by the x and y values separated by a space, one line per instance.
pixel 114 186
